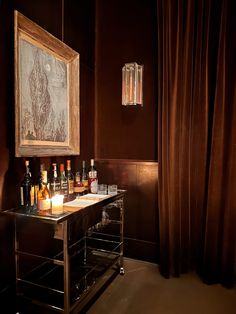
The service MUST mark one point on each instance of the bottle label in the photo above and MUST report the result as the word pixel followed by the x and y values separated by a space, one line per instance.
pixel 94 185
pixel 85 184
pixel 55 187
pixel 64 187
pixel 44 204
pixel 70 186
pixel 79 189
pixel 92 174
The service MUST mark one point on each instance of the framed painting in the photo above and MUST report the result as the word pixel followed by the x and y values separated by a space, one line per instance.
pixel 47 107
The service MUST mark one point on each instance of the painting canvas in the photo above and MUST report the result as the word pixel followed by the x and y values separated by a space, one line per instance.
pixel 47 93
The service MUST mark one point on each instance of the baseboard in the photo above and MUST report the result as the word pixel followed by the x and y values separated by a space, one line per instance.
pixel 141 250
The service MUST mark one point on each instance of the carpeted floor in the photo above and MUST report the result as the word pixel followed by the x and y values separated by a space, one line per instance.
pixel 143 290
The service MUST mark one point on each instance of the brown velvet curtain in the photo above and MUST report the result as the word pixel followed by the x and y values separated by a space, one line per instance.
pixel 197 138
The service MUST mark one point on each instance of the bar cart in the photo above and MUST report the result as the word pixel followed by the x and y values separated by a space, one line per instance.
pixel 82 250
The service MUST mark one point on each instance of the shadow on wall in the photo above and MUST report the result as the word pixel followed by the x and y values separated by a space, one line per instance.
pixel 11 184
pixel 7 261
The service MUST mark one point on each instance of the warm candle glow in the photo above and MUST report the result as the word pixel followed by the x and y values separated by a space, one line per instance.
pixel 57 204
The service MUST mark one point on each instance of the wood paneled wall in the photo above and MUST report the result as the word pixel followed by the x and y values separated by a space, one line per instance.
pixel 123 140
pixel 126 31
pixel 79 34
pixel 141 209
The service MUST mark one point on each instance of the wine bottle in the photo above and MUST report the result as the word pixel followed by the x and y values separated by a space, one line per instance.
pixel 44 202
pixel 84 177
pixel 63 182
pixel 42 168
pixel 54 181
pixel 26 187
pixel 92 178
pixel 70 178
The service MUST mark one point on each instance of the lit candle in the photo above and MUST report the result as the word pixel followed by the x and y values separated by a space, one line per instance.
pixel 57 204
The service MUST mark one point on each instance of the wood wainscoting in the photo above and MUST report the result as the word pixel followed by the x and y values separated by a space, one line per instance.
pixel 141 227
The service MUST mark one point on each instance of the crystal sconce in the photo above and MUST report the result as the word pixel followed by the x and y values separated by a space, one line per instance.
pixel 132 84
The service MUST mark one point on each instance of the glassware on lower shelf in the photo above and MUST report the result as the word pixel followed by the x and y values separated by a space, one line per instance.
pixel 105 217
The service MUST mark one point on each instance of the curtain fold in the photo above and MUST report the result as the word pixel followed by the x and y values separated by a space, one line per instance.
pixel 197 138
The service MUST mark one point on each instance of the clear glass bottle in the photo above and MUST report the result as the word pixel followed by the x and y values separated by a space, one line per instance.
pixel 70 178
pixel 93 178
pixel 84 177
pixel 63 182
pixel 26 187
pixel 54 181
pixel 44 201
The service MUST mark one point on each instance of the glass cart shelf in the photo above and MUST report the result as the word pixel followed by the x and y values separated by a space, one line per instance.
pixel 84 251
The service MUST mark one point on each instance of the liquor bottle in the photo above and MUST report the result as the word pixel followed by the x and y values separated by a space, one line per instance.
pixel 70 179
pixel 26 187
pixel 78 185
pixel 92 178
pixel 54 181
pixel 84 177
pixel 37 185
pixel 63 182
pixel 39 179
pixel 44 202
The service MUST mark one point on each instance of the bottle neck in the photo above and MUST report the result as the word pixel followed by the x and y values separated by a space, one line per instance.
pixel 44 177
pixel 62 173
pixel 27 174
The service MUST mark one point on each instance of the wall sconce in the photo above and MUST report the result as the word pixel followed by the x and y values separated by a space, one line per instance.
pixel 132 84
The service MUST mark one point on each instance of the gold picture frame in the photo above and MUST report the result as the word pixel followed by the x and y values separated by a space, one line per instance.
pixel 47 104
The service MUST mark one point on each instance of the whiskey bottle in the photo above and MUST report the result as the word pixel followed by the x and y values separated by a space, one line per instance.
pixel 78 185
pixel 54 181
pixel 63 182
pixel 39 180
pixel 44 202
pixel 70 179
pixel 92 178
pixel 26 187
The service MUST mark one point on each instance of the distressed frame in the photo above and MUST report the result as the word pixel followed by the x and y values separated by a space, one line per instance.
pixel 29 34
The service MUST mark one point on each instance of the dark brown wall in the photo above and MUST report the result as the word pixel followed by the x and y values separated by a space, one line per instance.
pixel 141 215
pixel 126 137
pixel 125 32
pixel 115 135
pixel 79 33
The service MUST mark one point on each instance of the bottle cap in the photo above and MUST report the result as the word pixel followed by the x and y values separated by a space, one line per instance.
pixel 68 164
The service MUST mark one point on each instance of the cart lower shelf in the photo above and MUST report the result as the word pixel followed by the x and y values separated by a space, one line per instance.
pixel 44 285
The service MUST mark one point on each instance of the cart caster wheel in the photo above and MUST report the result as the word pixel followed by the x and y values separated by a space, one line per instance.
pixel 122 271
